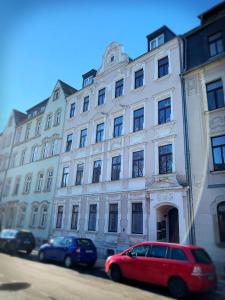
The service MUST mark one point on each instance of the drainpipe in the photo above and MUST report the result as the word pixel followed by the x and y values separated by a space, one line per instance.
pixel 190 207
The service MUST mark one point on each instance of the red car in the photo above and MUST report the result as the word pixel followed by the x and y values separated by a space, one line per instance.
pixel 181 268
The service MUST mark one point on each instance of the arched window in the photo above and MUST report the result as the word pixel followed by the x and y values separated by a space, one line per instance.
pixel 49 180
pixel 40 180
pixel 34 216
pixel 221 220
pixel 34 153
pixel 27 183
pixel 43 216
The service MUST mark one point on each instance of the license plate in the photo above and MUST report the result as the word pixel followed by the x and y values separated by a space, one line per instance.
pixel 27 242
pixel 89 251
pixel 210 277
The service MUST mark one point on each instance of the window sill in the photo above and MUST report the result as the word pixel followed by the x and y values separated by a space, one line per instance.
pixel 217 172
pixel 158 79
pixel 111 233
pixel 172 122
pixel 215 110
pixel 140 88
pixel 221 244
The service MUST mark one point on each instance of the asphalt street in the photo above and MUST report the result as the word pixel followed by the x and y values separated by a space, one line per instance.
pixel 23 277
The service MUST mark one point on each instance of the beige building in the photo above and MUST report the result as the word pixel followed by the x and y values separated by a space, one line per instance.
pixel 27 195
pixel 121 175
pixel 204 82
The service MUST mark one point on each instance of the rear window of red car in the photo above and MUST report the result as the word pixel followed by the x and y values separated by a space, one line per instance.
pixel 201 256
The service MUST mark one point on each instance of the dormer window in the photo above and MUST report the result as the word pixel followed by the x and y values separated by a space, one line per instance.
pixel 112 58
pixel 158 41
pixel 88 81
pixel 56 94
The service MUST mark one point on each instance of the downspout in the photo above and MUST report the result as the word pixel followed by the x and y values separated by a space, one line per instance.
pixel 190 206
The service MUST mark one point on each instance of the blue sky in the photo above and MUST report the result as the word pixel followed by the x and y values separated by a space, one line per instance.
pixel 45 40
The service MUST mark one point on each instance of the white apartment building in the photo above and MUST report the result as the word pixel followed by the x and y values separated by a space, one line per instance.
pixel 27 195
pixel 121 176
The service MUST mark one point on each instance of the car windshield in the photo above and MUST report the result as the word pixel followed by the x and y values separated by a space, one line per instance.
pixel 8 233
pixel 84 243
pixel 201 256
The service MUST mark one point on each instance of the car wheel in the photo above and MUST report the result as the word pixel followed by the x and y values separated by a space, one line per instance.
pixel 68 262
pixel 178 288
pixel 41 256
pixel 115 273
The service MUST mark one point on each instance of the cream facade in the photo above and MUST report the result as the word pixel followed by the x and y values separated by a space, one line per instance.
pixel 27 196
pixel 139 192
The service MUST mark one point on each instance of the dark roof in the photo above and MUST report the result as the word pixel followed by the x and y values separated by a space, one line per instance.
pixel 89 73
pixel 213 12
pixel 67 89
pixel 36 106
pixel 19 116
pixel 157 32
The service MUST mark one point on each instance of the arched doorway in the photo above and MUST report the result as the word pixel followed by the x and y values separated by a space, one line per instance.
pixel 168 224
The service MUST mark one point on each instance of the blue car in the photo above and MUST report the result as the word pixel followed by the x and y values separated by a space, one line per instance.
pixel 69 250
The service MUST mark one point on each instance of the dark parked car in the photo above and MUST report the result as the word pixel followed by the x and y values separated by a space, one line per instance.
pixel 182 268
pixel 12 241
pixel 69 250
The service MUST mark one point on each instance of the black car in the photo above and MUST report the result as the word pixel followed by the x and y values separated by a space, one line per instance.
pixel 12 241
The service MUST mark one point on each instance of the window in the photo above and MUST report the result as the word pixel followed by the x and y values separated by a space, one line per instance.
pixel 43 216
pixel 139 79
pixel 17 185
pixel 96 171
pixel 69 142
pixel 57 117
pixel 48 121
pixel 218 149
pixel 221 220
pixel 163 67
pixel 27 184
pixel 201 256
pixel 21 218
pixel 13 160
pixel 34 154
pixel 138 122
pixel 92 217
pixel 56 94
pixel 112 58
pixel 178 254
pixel 165 159
pixel 27 132
pixel 18 135
pixel 101 96
pixel 45 150
pixel 65 177
pixel 88 81
pixel 49 180
pixel 159 251
pixel 86 103
pixel 83 137
pixel 72 110
pixel 113 217
pixel 40 180
pixel 140 251
pixel 215 95
pixel 54 148
pixel 116 166
pixel 74 217
pixel 79 175
pixel 164 111
pixel 119 88
pixel 59 217
pixel 215 42
pixel 100 132
pixel 118 126
pixel 157 42
pixel 138 164
pixel 22 157
pixel 38 127
pixel 34 216
pixel 137 218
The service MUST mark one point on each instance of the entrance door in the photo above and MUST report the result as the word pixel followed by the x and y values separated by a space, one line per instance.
pixel 173 225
